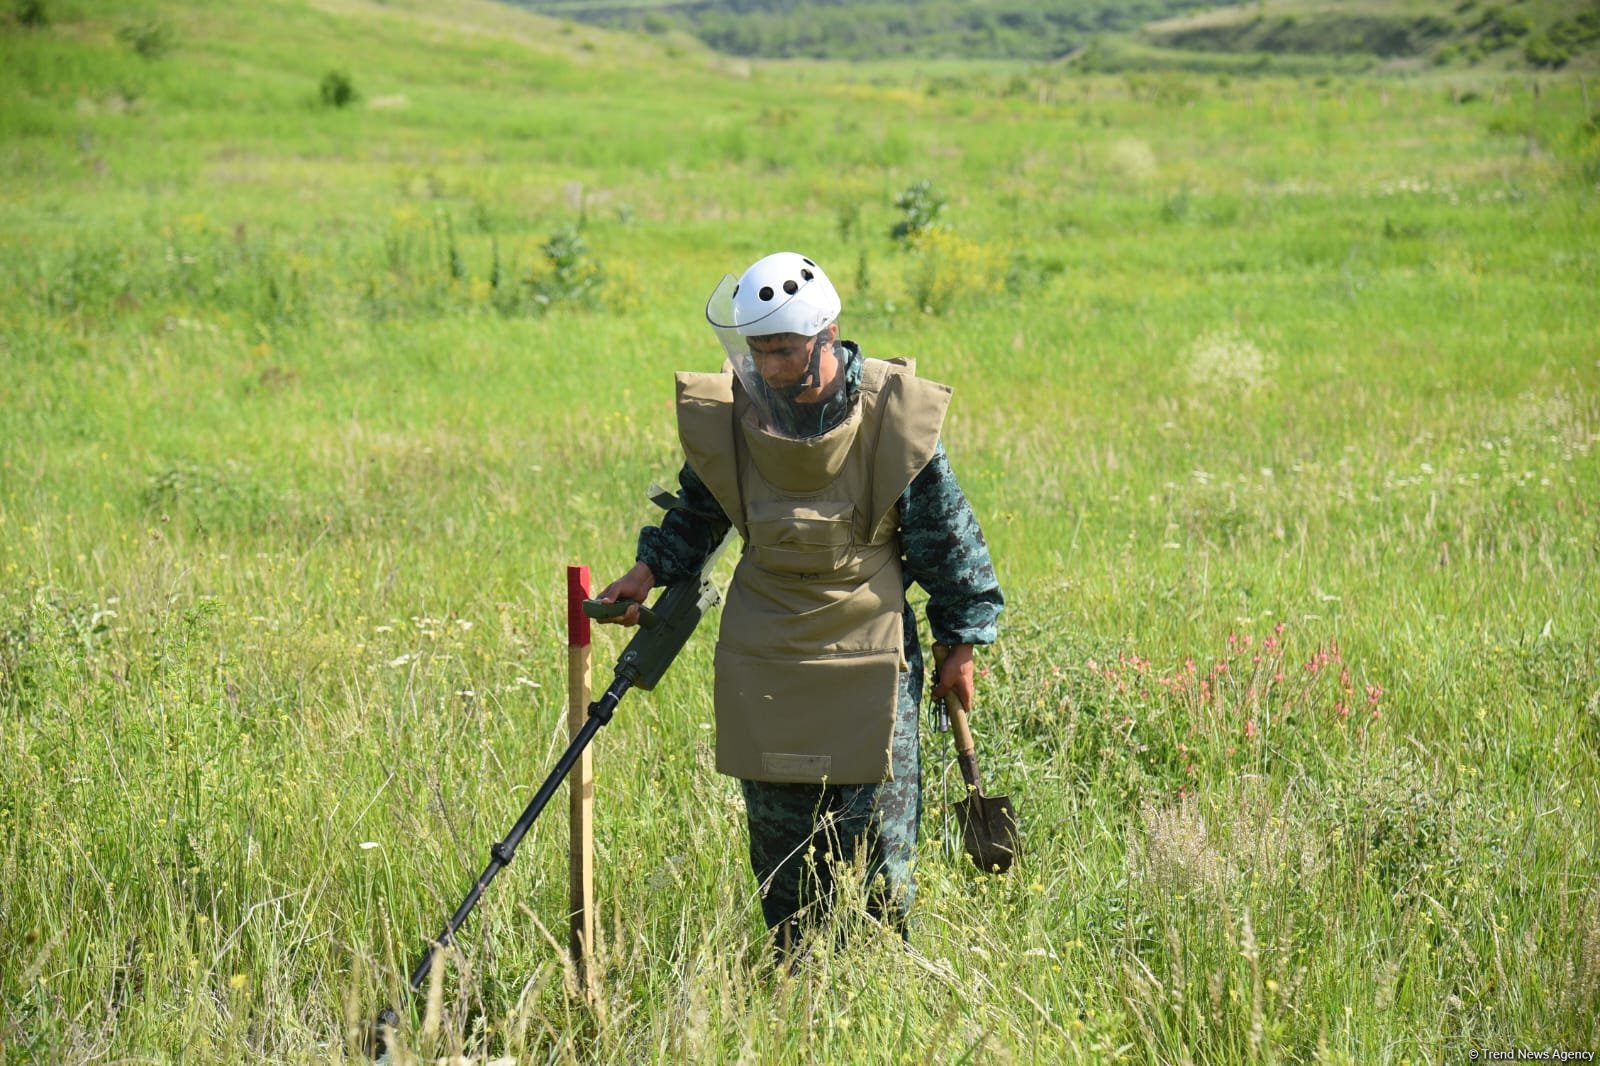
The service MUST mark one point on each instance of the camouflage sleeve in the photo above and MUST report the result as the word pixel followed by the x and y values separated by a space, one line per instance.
pixel 688 534
pixel 946 554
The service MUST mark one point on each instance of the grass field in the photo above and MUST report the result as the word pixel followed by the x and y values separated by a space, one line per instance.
pixel 1279 401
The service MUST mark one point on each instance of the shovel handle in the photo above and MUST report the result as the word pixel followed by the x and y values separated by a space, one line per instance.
pixel 966 749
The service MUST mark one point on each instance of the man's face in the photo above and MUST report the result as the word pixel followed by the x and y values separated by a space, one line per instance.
pixel 782 359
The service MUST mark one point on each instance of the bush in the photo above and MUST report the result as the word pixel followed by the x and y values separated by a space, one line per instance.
pixel 152 39
pixel 337 89
pixel 574 275
pixel 33 13
pixel 1540 51
pixel 920 207
pixel 1569 34
pixel 1501 28
pixel 1028 273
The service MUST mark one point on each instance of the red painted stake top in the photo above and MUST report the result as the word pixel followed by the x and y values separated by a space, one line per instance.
pixel 577 592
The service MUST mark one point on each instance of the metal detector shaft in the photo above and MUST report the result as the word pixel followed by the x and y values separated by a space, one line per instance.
pixel 665 630
pixel 501 854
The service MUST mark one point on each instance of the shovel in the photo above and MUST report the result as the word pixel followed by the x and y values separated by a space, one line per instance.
pixel 988 823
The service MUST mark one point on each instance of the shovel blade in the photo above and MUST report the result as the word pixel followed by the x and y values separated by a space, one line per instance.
pixel 989 831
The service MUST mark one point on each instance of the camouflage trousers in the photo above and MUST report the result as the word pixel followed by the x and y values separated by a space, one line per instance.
pixel 803 838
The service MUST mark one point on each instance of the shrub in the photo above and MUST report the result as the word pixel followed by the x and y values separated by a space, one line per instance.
pixel 33 13
pixel 574 275
pixel 1540 51
pixel 152 39
pixel 1026 273
pixel 337 89
pixel 1500 27
pixel 1573 34
pixel 920 207
pixel 210 500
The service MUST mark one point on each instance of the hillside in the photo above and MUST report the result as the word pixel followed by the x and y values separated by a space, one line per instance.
pixel 877 29
pixel 333 331
pixel 1529 34
pixel 1309 34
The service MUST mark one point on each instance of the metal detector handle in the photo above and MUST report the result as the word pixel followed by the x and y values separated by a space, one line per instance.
pixel 666 627
pixel 664 630
pixel 602 612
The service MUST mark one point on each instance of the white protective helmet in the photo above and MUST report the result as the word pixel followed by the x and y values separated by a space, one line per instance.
pixel 781 293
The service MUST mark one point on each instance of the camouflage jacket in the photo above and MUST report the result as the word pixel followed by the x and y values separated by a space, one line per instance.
pixel 942 548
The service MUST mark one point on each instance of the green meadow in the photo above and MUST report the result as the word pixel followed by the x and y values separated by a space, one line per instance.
pixel 332 331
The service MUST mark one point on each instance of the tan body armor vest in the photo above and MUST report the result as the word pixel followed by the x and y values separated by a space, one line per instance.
pixel 811 644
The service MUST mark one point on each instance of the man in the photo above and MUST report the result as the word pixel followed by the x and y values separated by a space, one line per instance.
pixel 830 467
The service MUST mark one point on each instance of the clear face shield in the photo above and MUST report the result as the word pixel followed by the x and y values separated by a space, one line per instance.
pixel 788 366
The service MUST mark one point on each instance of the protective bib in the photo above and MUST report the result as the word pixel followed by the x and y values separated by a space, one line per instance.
pixel 811 645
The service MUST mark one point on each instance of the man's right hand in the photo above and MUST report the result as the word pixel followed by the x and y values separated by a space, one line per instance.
pixel 635 585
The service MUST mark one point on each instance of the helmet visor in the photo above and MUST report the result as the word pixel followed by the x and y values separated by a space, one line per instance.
pixel 719 312
pixel 775 404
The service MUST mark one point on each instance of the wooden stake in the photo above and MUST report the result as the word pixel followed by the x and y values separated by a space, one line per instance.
pixel 581 780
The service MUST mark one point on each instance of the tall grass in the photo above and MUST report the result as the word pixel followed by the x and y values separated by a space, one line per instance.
pixel 1278 406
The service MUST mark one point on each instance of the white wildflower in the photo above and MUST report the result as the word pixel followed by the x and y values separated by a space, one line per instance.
pixel 1224 361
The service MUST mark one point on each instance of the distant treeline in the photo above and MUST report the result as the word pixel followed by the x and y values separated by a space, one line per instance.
pixel 843 29
pixel 1467 31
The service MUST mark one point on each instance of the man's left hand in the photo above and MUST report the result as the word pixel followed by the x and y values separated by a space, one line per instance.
pixel 956 676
